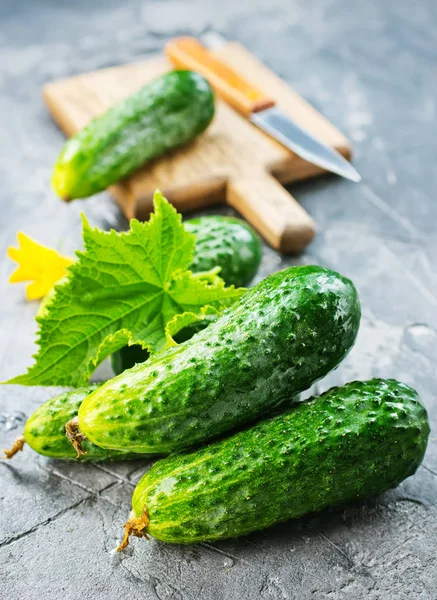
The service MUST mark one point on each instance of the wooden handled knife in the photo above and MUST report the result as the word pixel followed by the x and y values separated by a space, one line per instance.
pixel 189 53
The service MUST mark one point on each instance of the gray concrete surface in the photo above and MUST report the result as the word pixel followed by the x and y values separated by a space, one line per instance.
pixel 371 68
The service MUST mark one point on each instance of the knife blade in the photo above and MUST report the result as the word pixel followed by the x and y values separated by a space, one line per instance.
pixel 189 53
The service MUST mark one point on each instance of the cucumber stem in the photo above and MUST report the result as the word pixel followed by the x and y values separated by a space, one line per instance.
pixel 75 436
pixel 17 446
pixel 135 526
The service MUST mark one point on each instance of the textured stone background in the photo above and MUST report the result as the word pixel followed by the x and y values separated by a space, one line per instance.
pixel 371 68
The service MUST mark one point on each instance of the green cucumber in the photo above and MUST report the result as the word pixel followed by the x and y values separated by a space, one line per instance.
pixel 224 242
pixel 285 333
pixel 352 442
pixel 44 431
pixel 170 111
pixel 228 243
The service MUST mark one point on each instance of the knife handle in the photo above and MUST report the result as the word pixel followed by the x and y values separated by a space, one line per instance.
pixel 188 53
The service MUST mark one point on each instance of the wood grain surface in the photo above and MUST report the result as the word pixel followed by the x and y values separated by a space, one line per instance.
pixel 231 162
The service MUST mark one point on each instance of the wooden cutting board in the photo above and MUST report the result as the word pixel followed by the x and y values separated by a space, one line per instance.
pixel 231 162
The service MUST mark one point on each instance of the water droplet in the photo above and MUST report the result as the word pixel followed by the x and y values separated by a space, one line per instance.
pixel 13 420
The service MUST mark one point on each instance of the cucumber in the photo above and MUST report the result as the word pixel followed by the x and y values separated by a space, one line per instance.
pixel 44 431
pixel 224 242
pixel 285 333
pixel 352 442
pixel 170 111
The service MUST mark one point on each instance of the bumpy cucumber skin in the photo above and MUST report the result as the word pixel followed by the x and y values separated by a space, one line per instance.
pixel 285 333
pixel 224 242
pixel 352 442
pixel 44 431
pixel 170 111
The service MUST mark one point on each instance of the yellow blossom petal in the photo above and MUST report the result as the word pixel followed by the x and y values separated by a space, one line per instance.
pixel 36 263
pixel 36 290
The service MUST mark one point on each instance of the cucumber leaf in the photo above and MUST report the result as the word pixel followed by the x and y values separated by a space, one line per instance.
pixel 124 289
pixel 207 314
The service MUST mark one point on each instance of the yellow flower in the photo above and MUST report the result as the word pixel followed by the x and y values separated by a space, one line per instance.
pixel 36 263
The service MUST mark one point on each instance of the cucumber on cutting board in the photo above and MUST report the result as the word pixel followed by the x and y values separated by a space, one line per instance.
pixel 170 111
pixel 352 442
pixel 224 242
pixel 44 431
pixel 283 334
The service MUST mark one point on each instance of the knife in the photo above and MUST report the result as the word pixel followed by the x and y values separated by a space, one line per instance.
pixel 188 53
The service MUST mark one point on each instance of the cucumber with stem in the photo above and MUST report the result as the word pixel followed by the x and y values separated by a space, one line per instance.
pixel 45 431
pixel 349 443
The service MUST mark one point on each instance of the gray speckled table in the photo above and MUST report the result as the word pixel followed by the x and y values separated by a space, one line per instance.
pixel 371 68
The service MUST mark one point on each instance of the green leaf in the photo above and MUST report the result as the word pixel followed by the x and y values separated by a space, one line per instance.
pixel 212 276
pixel 124 289
pixel 179 322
